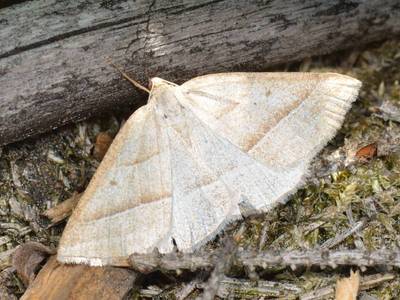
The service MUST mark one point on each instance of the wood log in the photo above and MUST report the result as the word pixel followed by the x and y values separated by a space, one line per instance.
pixel 59 282
pixel 53 68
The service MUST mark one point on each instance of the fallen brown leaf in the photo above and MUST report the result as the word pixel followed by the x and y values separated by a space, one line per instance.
pixel 103 142
pixel 28 258
pixel 367 152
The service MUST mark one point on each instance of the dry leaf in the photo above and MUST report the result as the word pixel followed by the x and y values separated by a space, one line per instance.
pixel 200 155
pixel 367 152
pixel 347 288
pixel 103 142
pixel 28 258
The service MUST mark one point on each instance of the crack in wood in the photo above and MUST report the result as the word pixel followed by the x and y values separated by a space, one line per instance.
pixel 56 38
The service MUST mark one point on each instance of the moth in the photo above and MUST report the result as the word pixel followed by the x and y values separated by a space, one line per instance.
pixel 201 155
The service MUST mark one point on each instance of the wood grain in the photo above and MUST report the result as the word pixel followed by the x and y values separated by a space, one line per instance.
pixel 53 68
pixel 59 282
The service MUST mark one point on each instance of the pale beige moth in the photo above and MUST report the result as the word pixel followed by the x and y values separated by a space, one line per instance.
pixel 200 155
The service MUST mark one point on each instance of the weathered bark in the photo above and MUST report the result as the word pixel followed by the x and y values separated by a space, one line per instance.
pixel 53 53
pixel 59 282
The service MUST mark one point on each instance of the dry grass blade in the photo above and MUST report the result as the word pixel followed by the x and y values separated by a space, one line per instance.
pixel 244 289
pixel 347 288
pixel 366 282
pixel 343 235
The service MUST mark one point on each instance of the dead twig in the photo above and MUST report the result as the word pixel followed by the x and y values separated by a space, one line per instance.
pixel 247 289
pixel 222 262
pixel 317 257
pixel 187 289
pixel 238 289
pixel 146 263
pixel 233 288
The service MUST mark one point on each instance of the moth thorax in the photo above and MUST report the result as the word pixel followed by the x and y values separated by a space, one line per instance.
pixel 165 101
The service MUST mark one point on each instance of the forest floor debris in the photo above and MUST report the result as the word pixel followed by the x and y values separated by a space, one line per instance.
pixel 341 193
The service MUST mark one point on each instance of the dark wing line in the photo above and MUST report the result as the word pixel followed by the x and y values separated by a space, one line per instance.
pixel 297 106
pixel 256 162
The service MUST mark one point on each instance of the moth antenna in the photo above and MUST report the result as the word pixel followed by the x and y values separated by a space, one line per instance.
pixel 134 82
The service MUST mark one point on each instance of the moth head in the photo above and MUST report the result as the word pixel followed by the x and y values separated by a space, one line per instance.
pixel 156 82
pixel 161 91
